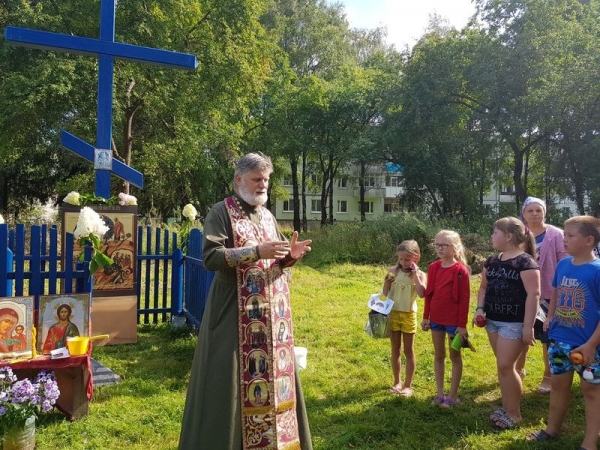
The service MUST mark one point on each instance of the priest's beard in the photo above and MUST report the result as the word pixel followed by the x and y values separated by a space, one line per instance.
pixel 254 200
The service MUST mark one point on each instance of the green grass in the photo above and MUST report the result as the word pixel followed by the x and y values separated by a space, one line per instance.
pixel 345 384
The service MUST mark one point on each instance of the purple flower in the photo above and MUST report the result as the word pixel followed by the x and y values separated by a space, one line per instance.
pixel 20 399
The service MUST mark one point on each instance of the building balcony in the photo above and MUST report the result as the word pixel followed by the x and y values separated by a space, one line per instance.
pixel 370 192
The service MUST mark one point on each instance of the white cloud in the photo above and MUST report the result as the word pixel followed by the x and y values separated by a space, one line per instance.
pixel 405 20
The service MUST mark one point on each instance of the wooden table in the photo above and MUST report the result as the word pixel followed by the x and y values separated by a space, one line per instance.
pixel 73 376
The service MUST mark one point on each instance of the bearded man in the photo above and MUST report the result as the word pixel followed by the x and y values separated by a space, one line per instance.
pixel 230 405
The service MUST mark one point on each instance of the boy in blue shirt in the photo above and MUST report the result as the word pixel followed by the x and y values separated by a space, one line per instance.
pixel 573 322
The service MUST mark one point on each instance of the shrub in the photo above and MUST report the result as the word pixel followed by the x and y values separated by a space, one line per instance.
pixel 375 241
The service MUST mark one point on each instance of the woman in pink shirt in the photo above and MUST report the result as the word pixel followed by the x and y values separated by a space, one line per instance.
pixel 549 250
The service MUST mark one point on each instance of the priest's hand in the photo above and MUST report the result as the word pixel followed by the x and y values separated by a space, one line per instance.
pixel 273 249
pixel 299 248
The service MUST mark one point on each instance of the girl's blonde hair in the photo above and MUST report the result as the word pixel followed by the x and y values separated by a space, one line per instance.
pixel 411 247
pixel 459 249
pixel 520 233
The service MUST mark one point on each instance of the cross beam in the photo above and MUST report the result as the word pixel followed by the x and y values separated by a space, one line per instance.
pixel 88 46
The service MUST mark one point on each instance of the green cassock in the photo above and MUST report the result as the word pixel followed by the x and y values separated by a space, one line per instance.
pixel 212 414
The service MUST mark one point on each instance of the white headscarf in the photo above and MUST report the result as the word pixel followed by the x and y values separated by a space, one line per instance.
pixel 528 201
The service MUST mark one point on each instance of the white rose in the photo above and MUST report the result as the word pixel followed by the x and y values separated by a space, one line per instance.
pixel 189 212
pixel 127 200
pixel 1 219
pixel 89 222
pixel 72 198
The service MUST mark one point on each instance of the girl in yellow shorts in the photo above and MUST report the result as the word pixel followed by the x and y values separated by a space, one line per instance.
pixel 403 282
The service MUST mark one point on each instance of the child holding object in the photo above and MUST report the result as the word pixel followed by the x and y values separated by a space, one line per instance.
pixel 446 310
pixel 573 323
pixel 509 297
pixel 403 282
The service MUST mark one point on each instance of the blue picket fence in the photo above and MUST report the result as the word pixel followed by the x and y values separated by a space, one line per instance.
pixel 38 270
pixel 168 283
pixel 197 280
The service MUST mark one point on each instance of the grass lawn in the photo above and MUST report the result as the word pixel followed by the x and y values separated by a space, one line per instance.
pixel 345 384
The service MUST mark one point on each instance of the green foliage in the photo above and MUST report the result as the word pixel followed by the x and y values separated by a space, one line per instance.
pixel 375 241
pixel 99 258
pixel 370 242
pixel 93 199
pixel 511 99
pixel 173 126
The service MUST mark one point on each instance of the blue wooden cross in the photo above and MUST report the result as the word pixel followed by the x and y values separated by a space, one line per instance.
pixel 107 50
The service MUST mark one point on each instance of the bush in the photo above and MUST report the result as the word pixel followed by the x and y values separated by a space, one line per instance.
pixel 375 242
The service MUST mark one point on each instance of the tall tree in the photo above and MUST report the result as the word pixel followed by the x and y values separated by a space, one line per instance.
pixel 161 116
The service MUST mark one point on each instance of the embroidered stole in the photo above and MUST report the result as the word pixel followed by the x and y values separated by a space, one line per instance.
pixel 267 379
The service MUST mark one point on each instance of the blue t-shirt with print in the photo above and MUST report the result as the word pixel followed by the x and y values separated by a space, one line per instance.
pixel 577 311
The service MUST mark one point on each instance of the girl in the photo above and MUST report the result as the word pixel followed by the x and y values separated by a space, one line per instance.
pixel 509 296
pixel 403 283
pixel 447 309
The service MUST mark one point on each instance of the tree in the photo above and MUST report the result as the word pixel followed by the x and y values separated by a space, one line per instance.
pixel 433 136
pixel 167 116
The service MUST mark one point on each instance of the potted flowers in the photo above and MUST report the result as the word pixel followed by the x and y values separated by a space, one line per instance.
pixel 21 402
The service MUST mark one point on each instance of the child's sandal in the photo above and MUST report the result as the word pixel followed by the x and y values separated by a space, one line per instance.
pixel 438 400
pixel 540 435
pixel 500 412
pixel 406 392
pixel 504 423
pixel 448 402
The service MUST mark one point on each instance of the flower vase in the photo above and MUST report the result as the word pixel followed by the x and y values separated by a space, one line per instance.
pixel 20 437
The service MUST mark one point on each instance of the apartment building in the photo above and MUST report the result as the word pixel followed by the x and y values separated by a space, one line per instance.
pixel 382 196
pixel 382 190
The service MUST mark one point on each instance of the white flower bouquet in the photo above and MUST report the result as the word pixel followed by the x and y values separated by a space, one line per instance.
pixel 190 213
pixel 89 230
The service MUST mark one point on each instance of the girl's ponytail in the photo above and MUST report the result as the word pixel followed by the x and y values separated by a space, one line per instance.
pixel 529 243
pixel 521 234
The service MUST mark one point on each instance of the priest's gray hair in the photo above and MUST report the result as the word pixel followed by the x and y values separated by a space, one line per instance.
pixel 253 161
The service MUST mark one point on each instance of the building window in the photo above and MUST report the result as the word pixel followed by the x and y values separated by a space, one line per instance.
pixel 287 180
pixel 288 206
pixel 393 182
pixel 342 206
pixel 343 183
pixel 370 181
pixel 367 207
pixel 507 189
pixel 316 179
pixel 315 205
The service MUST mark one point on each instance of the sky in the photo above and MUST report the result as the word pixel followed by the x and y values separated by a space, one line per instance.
pixel 405 20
